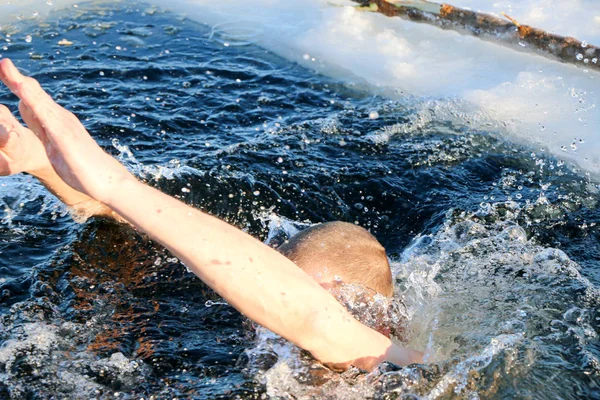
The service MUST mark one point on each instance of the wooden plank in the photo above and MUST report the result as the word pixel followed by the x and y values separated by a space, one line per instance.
pixel 488 27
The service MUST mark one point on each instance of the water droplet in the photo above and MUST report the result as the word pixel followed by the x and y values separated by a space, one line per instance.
pixel 210 303
pixel 256 193
pixel 28 39
pixel 579 56
pixel 584 44
pixel 65 42
pixel 373 114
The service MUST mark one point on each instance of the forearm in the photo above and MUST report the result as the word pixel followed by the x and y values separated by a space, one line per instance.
pixel 81 204
pixel 255 279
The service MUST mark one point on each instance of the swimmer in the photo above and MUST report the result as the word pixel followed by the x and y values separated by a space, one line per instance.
pixel 260 282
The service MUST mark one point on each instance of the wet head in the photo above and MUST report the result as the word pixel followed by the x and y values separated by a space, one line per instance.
pixel 336 252
pixel 349 262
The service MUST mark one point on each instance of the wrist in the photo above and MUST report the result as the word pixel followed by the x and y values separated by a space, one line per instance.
pixel 43 174
pixel 54 183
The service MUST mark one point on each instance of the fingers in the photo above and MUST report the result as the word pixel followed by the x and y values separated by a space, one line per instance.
pixel 31 94
pixel 10 75
pixel 8 123
pixel 8 134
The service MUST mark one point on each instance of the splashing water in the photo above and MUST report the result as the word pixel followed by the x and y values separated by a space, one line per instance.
pixel 494 244
pixel 490 307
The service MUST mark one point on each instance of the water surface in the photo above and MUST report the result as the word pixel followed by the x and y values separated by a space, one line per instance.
pixel 495 243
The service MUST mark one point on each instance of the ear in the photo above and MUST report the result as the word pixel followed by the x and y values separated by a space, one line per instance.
pixel 384 330
pixel 329 285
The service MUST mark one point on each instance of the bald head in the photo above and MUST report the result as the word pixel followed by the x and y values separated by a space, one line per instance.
pixel 339 250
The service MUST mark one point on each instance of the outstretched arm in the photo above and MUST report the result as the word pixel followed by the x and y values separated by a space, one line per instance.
pixel 255 279
pixel 22 151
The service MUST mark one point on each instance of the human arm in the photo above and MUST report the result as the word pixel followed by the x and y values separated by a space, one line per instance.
pixel 255 279
pixel 22 151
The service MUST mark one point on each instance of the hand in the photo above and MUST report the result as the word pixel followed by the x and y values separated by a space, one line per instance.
pixel 20 149
pixel 73 153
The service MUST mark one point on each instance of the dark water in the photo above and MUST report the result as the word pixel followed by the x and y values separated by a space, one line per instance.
pixel 96 310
